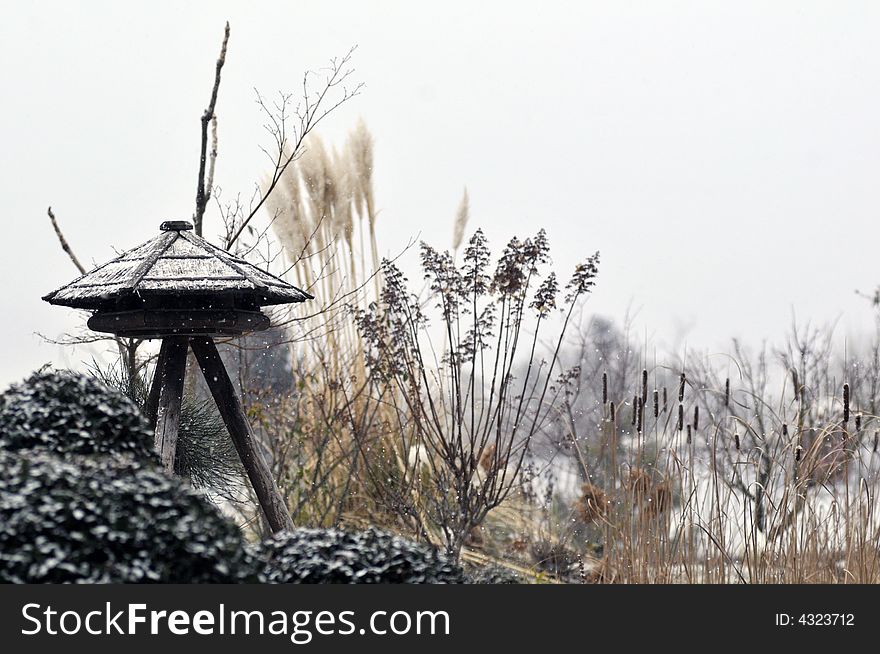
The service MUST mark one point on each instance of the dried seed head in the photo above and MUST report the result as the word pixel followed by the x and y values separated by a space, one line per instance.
pixel 640 412
pixel 736 440
pixel 635 409
pixel 845 403
pixel 681 384
pixel 797 454
pixel 727 392
pixel 689 435
pixel 611 410
pixel 697 417
pixel 656 403
pixel 796 383
pixel 644 386
pixel 680 417
pixel 876 437
pixel 784 429
pixel 593 504
pixel 665 399
pixel 858 421
pixel 461 221
pixel 604 388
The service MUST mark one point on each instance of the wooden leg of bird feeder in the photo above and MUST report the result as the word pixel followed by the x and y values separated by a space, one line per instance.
pixel 151 408
pixel 233 415
pixel 170 397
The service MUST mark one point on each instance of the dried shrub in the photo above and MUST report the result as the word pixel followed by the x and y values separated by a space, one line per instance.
pixel 312 556
pixel 473 408
pixel 109 520
pixel 654 497
pixel 639 482
pixel 555 558
pixel 659 500
pixel 476 538
pixel 68 413
pixel 592 505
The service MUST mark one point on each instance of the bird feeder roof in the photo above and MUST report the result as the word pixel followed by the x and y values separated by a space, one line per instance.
pixel 176 263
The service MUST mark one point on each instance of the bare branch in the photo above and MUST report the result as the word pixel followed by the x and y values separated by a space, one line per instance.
pixel 203 195
pixel 212 161
pixel 312 112
pixel 64 244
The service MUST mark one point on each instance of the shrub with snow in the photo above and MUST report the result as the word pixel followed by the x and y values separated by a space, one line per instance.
pixel 109 519
pixel 493 574
pixel 68 413
pixel 312 556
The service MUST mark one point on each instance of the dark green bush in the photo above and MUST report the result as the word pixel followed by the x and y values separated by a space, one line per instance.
pixel 493 574
pixel 109 519
pixel 68 413
pixel 314 556
pixel 81 500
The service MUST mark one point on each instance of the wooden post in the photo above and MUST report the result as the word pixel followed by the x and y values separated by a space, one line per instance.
pixel 151 408
pixel 233 415
pixel 170 397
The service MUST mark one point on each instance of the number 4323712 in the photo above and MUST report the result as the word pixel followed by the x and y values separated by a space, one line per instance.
pixel 816 620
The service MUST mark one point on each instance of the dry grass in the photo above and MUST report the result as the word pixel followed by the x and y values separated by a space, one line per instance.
pixel 653 476
pixel 789 500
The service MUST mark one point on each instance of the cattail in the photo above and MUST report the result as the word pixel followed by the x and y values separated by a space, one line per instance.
pixel 635 409
pixel 656 404
pixel 784 429
pixel 604 388
pixel 797 454
pixel 611 410
pixel 681 387
pixel 845 403
pixel 641 418
pixel 876 437
pixel 696 418
pixel 680 417
pixel 727 392
pixel 795 381
pixel 644 386
pixel 689 435
pixel 858 421
pixel 736 440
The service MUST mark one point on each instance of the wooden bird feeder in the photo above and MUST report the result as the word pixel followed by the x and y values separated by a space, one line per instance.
pixel 179 288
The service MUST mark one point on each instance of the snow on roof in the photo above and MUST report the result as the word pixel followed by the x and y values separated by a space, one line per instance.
pixel 175 263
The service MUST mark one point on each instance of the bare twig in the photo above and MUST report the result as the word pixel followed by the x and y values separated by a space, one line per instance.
pixel 314 109
pixel 127 346
pixel 203 192
pixel 64 244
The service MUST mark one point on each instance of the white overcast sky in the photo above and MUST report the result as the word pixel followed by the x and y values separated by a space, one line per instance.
pixel 724 157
